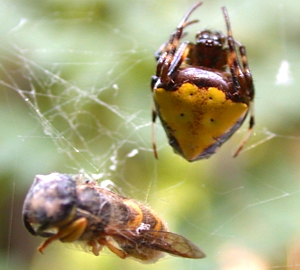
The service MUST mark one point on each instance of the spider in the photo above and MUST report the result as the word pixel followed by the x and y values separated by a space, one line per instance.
pixel 202 94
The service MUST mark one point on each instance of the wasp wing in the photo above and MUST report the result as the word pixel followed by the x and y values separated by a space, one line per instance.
pixel 172 243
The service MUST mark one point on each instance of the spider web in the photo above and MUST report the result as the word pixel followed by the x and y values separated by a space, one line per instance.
pixel 75 98
pixel 70 115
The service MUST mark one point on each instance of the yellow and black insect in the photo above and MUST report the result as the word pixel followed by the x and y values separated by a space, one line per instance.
pixel 201 92
pixel 66 208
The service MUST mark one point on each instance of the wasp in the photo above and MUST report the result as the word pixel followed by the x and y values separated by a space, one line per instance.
pixel 71 208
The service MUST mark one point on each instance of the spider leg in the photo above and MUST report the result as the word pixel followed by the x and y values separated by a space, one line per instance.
pixel 233 62
pixel 246 70
pixel 248 78
pixel 168 51
pixel 154 79
pixel 154 115
pixel 179 57
pixel 162 49
pixel 249 131
pixel 242 79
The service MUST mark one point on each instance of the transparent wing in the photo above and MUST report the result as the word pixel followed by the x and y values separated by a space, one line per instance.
pixel 172 243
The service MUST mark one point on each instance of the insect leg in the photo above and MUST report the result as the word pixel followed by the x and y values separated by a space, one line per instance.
pixel 120 253
pixel 68 233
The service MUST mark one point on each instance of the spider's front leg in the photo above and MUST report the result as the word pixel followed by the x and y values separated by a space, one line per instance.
pixel 232 58
pixel 166 55
pixel 172 66
pixel 179 57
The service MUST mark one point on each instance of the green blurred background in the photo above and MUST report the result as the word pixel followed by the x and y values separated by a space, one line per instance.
pixel 75 97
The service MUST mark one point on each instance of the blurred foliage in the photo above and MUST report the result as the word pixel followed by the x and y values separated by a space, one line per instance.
pixel 242 211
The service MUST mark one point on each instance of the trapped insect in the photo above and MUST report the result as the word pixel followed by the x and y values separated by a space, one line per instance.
pixel 69 208
pixel 201 92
